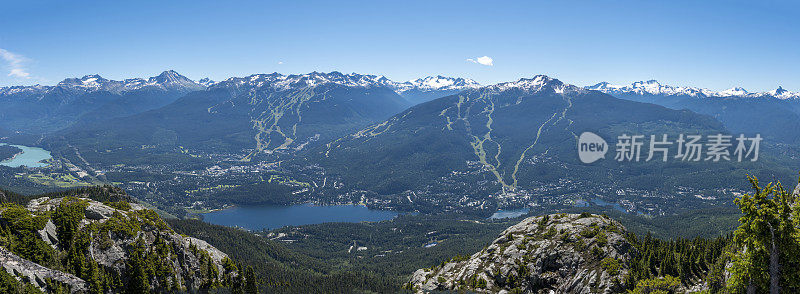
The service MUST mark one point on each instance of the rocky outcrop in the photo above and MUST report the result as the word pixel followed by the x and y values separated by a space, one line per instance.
pixel 560 253
pixel 35 274
pixel 113 230
pixel 49 235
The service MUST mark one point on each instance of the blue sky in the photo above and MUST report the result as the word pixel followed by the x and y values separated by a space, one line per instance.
pixel 712 44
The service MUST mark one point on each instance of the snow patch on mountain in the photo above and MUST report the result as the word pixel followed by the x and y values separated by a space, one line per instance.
pixel 732 92
pixel 535 85
pixel 206 82
pixel 437 83
pixel 782 93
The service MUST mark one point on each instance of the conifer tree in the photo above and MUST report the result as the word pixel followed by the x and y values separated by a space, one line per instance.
pixel 768 241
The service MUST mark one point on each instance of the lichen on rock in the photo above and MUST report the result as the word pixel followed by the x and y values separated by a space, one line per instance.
pixel 564 253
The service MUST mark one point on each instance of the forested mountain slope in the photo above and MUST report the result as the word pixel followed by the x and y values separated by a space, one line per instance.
pixel 258 114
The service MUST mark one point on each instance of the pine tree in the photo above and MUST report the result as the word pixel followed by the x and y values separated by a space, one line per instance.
pixel 95 278
pixel 137 272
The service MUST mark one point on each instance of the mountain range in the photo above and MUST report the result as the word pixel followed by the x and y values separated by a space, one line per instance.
pixel 773 114
pixel 257 114
pixel 653 87
pixel 364 133
pixel 44 109
pixel 513 139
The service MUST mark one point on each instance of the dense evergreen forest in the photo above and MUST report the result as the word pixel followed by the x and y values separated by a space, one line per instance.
pixel 760 256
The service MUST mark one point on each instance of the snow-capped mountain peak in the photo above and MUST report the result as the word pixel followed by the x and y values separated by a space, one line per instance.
pixel 782 93
pixel 169 76
pixel 735 91
pixel 604 87
pixel 206 82
pixel 536 84
pixel 89 81
pixel 653 84
pixel 438 82
pixel 655 88
pixel 172 80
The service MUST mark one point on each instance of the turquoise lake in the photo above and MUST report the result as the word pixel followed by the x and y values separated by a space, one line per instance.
pixel 509 213
pixel 30 157
pixel 275 216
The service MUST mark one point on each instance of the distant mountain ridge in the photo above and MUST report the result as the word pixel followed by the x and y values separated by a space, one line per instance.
pixel 43 109
pixel 774 114
pixel 167 80
pixel 256 114
pixel 437 83
pixel 170 79
pixel 416 91
pixel 653 87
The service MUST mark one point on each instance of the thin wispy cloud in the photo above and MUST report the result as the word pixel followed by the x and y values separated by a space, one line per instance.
pixel 15 64
pixel 485 60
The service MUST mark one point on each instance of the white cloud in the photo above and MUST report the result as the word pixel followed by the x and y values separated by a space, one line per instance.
pixel 15 64
pixel 485 60
pixel 280 62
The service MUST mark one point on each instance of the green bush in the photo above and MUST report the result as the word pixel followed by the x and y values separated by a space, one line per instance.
pixel 122 225
pixel 602 239
pixel 588 233
pixel 611 265
pixel 121 205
